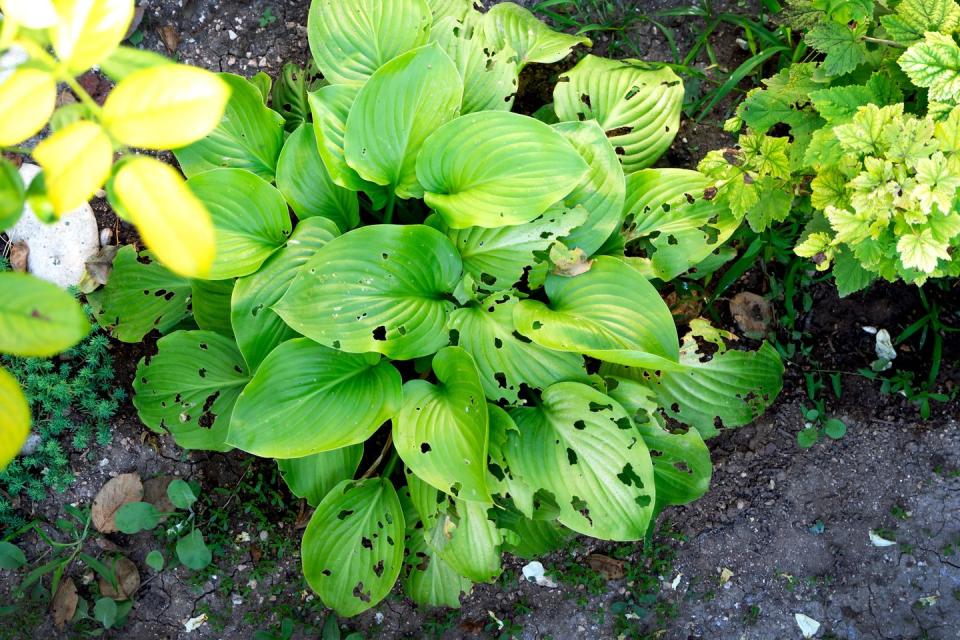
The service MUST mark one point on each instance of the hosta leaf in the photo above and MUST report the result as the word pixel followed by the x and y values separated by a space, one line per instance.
pixel 352 549
pixel 471 541
pixel 306 398
pixel 915 17
pixel 611 313
pixel 842 45
pixel 636 103
pixel 38 318
pixel 934 64
pixel 289 94
pixel 351 39
pixel 381 288
pixel 257 327
pixel 582 447
pixel 189 388
pixel 501 478
pixel 250 219
pixel 441 430
pixel 493 168
pixel 504 359
pixel 330 106
pixel 27 99
pixel 211 305
pixel 427 578
pixel 496 257
pixel 531 538
pixel 140 297
pixel 249 136
pixel 306 185
pixel 312 477
pixel 508 24
pixel 490 76
pixel 87 31
pixel 678 227
pixel 15 419
pixel 457 9
pixel 602 190
pixel 401 104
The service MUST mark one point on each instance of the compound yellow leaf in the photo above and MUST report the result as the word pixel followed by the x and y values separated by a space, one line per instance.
pixel 89 30
pixel 76 162
pixel 14 418
pixel 33 14
pixel 165 107
pixel 172 221
pixel 27 98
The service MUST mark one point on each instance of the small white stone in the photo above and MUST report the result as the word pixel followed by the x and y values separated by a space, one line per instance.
pixel 232 34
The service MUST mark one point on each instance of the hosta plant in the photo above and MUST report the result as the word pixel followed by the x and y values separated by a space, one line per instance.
pixel 155 105
pixel 873 158
pixel 444 347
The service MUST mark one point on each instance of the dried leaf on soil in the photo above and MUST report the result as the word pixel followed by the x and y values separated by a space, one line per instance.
pixel 170 37
pixel 19 251
pixel 64 604
pixel 609 568
pixel 117 492
pixel 100 265
pixel 752 313
pixel 128 580
pixel 155 492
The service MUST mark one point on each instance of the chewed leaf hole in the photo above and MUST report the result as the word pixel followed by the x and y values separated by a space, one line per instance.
pixel 629 477
pixel 344 514
pixel 424 447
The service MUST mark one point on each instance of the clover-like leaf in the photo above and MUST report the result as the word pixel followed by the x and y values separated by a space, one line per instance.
pixel 312 477
pixel 306 398
pixel 509 25
pixel 352 550
pixel 382 288
pixel 441 430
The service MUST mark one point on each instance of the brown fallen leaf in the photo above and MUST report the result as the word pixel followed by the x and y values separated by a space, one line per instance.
pixel 64 603
pixel 255 553
pixel 609 568
pixel 128 580
pixel 155 492
pixel 19 252
pixel 170 37
pixel 752 313
pixel 100 266
pixel 473 626
pixel 685 308
pixel 106 545
pixel 119 491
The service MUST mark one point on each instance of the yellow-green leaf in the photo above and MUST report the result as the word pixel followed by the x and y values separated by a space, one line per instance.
pixel 37 318
pixel 172 221
pixel 14 418
pixel 165 107
pixel 87 31
pixel 27 99
pixel 33 14
pixel 76 162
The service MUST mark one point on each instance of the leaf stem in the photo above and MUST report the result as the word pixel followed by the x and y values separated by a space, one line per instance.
pixel 383 452
pixel 388 212
pixel 889 43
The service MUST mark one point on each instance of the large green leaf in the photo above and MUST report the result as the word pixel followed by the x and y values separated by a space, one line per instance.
pixel 490 77
pixel 581 446
pixel 441 430
pixel 312 477
pixel 470 541
pixel 602 190
pixel 500 477
pixel 458 9
pixel 427 578
pixel 189 388
pixel 249 136
pixel 211 304
pixel 611 313
pixel 528 538
pixel 330 106
pixel 38 318
pixel 306 398
pixel 257 327
pixel 401 104
pixel 351 39
pixel 496 168
pixel 141 296
pixel 306 185
pixel 250 219
pixel 352 549
pixel 636 103
pixel 509 24
pixel 496 257
pixel 505 360
pixel 382 288
pixel 289 93
pixel 676 225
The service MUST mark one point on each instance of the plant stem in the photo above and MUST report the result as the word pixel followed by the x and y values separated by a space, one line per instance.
pixel 889 43
pixel 388 212
pixel 391 463
pixel 376 463
pixel 23 151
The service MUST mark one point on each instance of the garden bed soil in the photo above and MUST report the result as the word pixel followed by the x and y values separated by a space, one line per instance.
pixel 782 531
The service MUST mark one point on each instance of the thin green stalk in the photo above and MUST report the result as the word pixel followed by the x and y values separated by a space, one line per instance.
pixel 388 212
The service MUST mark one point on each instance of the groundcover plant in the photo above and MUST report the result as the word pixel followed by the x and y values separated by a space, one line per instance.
pixel 453 311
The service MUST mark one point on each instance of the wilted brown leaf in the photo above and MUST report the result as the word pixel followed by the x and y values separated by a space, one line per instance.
pixel 117 492
pixel 19 252
pixel 64 604
pixel 170 37
pixel 100 266
pixel 155 492
pixel 609 568
pixel 752 313
pixel 128 580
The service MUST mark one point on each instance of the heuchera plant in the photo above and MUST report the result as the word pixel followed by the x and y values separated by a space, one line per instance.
pixel 457 272
pixel 873 158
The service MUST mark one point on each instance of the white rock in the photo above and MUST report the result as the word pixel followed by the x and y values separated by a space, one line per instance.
pixel 195 623
pixel 808 626
pixel 58 252
pixel 232 34
pixel 31 445
pixel 534 572
pixel 879 541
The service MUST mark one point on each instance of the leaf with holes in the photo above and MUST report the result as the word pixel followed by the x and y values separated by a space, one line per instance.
pixel 383 288
pixel 582 447
pixel 636 103
pixel 509 24
pixel 530 539
pixel 312 477
pixel 458 9
pixel 505 359
pixel 352 549
pixel 441 430
pixel 189 388
pixel 470 541
pixel 428 579
pixel 257 327
pixel 611 313
pixel 495 168
pixel 250 219
pixel 306 398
